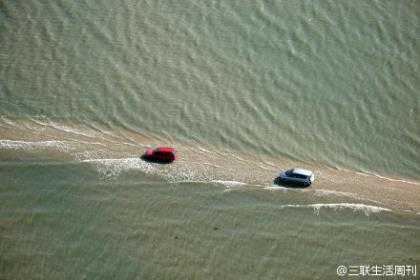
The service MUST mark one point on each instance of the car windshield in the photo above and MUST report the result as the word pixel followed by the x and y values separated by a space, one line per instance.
pixel 289 172
pixel 162 153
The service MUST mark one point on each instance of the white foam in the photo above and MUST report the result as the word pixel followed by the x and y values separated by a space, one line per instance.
pixel 264 167
pixel 397 180
pixel 367 209
pixel 203 149
pixel 229 184
pixel 113 167
pixel 33 145
pixel 67 129
pixel 7 121
pixel 322 192
pixel 188 182
pixel 110 167
pixel 390 179
pixel 185 174
pixel 274 187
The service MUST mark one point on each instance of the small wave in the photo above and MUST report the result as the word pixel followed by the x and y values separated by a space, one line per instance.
pixel 64 128
pixel 110 167
pixel 114 167
pixel 391 179
pixel 33 145
pixel 7 121
pixel 203 149
pixel 322 192
pixel 229 184
pixel 367 209
pixel 274 187
pixel 188 182
pixel 237 157
pixel 263 167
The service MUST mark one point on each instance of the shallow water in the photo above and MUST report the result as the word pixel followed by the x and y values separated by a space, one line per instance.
pixel 57 225
pixel 242 90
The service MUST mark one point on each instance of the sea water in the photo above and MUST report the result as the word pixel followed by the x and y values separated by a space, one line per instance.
pixel 242 89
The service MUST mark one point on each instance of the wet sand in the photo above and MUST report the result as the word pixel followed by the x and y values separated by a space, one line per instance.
pixel 116 150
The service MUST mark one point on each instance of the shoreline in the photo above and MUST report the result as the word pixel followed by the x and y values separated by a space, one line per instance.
pixel 122 149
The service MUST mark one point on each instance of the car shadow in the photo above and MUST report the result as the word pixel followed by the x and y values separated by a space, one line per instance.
pixel 289 185
pixel 143 158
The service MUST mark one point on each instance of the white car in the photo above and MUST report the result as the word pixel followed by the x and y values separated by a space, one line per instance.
pixel 297 176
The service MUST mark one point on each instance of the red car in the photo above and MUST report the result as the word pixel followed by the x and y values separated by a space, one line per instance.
pixel 160 154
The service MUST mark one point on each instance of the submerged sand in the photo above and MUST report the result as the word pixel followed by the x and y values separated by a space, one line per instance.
pixel 116 150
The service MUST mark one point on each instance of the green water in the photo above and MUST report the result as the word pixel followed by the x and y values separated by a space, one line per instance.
pixel 242 89
pixel 56 225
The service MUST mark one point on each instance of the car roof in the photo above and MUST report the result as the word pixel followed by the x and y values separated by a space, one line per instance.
pixel 302 171
pixel 165 150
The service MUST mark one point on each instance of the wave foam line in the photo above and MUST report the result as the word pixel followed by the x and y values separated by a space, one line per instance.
pixel 355 207
pixel 280 188
pixel 229 184
pixel 367 209
pixel 114 167
pixel 64 128
pixel 389 179
pixel 7 121
pixel 322 192
pixel 31 145
pixel 111 167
